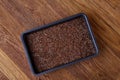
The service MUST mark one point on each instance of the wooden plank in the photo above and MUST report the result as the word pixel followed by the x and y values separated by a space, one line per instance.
pixel 10 69
pixel 3 77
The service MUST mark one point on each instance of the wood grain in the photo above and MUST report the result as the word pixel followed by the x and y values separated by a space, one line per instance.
pixel 17 16
pixel 3 77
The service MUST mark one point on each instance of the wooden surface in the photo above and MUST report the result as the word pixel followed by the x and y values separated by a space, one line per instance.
pixel 17 16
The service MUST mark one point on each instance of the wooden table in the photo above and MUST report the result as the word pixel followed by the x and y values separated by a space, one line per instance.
pixel 17 16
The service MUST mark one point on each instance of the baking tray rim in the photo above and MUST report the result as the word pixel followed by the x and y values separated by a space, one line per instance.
pixel 50 25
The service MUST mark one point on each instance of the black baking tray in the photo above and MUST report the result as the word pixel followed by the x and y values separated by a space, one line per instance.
pixel 50 25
